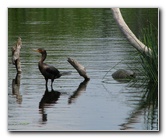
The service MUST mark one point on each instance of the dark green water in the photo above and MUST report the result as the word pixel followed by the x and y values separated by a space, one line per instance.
pixel 92 37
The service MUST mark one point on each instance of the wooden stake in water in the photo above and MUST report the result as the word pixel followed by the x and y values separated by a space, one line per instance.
pixel 16 55
pixel 80 68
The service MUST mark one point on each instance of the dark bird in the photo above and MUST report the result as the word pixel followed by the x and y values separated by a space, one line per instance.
pixel 49 72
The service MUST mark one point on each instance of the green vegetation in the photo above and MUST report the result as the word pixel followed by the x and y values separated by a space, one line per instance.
pixel 150 63
pixel 150 68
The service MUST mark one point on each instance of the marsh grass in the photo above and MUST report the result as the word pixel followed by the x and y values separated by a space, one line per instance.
pixel 149 81
pixel 150 63
pixel 150 67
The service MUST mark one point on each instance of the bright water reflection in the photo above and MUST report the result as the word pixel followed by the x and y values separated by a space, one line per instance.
pixel 90 36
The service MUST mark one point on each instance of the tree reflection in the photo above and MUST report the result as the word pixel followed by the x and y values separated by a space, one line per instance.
pixel 81 88
pixel 16 88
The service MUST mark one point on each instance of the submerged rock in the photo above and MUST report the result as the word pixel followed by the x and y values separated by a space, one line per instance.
pixel 123 75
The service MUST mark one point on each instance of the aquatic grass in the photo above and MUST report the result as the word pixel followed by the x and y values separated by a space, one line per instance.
pixel 150 68
pixel 150 63
pixel 149 71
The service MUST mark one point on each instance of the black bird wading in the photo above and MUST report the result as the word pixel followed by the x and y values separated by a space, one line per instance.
pixel 49 72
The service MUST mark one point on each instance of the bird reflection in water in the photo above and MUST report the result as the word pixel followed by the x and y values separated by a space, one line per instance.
pixel 16 88
pixel 49 97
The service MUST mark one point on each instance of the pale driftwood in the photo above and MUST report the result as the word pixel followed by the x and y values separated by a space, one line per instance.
pixel 80 68
pixel 16 55
pixel 128 33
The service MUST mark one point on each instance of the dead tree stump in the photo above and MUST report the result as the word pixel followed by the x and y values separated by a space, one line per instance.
pixel 16 55
pixel 80 68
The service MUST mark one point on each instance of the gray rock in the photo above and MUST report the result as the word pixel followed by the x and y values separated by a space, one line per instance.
pixel 123 75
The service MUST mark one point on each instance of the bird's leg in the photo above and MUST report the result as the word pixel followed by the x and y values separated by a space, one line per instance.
pixel 52 80
pixel 46 83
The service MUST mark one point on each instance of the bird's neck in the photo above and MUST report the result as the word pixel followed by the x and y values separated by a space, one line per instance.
pixel 43 57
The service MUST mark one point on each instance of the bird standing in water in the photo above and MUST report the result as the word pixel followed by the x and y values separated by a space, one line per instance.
pixel 49 72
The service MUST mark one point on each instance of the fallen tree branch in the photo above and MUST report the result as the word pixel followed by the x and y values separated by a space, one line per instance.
pixel 128 33
pixel 80 68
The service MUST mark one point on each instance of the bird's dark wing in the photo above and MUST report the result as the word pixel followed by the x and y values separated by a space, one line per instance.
pixel 52 70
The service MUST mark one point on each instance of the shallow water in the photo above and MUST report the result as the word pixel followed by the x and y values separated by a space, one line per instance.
pixel 92 37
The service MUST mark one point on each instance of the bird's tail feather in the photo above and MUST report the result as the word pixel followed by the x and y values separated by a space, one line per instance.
pixel 65 73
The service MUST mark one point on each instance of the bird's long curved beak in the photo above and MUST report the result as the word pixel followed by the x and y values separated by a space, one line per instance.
pixel 36 50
